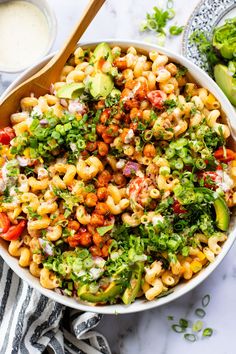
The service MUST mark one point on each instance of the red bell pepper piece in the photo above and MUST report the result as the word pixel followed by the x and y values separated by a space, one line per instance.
pixel 14 231
pixel 225 155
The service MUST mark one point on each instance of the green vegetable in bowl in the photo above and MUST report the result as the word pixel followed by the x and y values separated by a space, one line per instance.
pixel 226 81
pixel 110 293
pixel 72 90
pixel 224 39
pixel 219 53
pixel 135 284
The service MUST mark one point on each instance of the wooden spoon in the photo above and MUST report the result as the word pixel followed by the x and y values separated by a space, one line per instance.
pixel 40 83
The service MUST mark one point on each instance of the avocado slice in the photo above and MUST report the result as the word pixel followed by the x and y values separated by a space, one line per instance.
pixel 222 214
pixel 110 293
pixel 135 283
pixel 101 85
pixel 102 51
pixel 72 90
pixel 226 82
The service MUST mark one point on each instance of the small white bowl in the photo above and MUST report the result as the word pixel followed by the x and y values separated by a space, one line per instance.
pixel 141 304
pixel 46 9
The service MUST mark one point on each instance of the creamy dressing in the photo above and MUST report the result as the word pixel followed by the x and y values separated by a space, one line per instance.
pixel 24 34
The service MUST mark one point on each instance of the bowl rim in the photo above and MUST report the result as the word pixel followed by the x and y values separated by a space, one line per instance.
pixel 179 290
pixel 45 7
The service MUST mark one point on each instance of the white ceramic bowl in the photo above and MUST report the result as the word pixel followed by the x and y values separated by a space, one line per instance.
pixel 139 305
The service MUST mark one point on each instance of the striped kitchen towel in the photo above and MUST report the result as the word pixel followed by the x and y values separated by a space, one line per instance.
pixel 30 323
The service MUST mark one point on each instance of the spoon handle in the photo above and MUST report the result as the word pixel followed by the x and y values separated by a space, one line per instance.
pixel 87 17
pixel 69 46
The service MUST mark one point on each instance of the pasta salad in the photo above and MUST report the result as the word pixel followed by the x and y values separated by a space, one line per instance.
pixel 116 184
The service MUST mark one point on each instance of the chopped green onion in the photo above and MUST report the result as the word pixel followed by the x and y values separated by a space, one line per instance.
pixel 88 263
pixel 81 144
pixel 104 229
pixel 175 30
pixel 200 164
pixel 200 313
pixel 164 170
pixel 190 337
pixel 171 13
pixel 188 160
pixel 178 144
pixel 183 323
pixel 170 4
pixel 147 135
pixel 177 328
pixel 183 153
pixel 177 164
pixel 197 326
pixel 205 300
pixel 207 332
pixel 185 251
pixel 170 152
pixel 170 318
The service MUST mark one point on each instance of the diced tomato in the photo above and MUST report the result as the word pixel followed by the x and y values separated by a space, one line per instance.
pixel 136 185
pixel 6 135
pixel 178 208
pixel 4 223
pixel 211 178
pixel 157 98
pixel 225 155
pixel 14 232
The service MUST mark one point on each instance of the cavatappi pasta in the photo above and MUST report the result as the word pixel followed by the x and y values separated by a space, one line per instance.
pixel 117 183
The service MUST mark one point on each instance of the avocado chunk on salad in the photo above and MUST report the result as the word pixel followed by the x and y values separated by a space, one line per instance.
pixel 135 284
pixel 102 51
pixel 222 214
pixel 226 82
pixel 101 85
pixel 110 293
pixel 71 91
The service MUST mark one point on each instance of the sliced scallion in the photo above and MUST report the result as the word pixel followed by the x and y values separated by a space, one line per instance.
pixel 190 337
pixel 183 323
pixel 177 328
pixel 197 326
pixel 170 4
pixel 207 332
pixel 200 313
pixel 205 300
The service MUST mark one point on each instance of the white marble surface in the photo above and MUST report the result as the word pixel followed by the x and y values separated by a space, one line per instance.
pixel 149 332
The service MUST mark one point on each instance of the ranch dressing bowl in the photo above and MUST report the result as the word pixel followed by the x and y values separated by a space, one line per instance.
pixel 28 29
